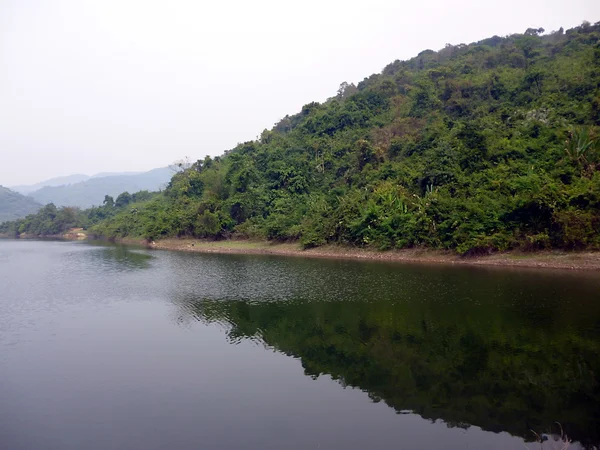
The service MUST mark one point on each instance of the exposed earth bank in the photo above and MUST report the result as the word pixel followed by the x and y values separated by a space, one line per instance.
pixel 552 259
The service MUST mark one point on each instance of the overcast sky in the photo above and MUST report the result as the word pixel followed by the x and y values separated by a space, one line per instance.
pixel 95 86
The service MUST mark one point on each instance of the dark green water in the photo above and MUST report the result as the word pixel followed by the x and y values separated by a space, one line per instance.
pixel 104 347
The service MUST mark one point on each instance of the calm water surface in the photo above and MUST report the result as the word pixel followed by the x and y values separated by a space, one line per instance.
pixel 105 347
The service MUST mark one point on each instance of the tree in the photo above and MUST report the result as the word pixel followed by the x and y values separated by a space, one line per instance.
pixel 181 165
pixel 534 31
pixel 583 148
pixel 109 202
pixel 345 90
pixel 123 200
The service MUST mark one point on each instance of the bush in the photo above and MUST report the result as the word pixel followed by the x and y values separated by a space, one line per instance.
pixel 577 229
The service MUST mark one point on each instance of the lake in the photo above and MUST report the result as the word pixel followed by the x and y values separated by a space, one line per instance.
pixel 109 347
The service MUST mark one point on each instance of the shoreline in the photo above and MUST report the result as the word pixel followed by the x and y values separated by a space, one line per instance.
pixel 546 259
pixel 551 259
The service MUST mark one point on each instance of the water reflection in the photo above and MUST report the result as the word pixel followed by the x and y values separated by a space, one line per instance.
pixel 124 258
pixel 91 353
pixel 469 347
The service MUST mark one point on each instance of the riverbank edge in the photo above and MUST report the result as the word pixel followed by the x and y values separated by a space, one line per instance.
pixel 547 259
pixel 551 259
pixel 71 235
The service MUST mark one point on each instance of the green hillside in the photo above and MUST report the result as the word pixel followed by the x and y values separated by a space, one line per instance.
pixel 480 147
pixel 14 205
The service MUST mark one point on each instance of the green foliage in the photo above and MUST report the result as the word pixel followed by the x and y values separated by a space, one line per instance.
pixel 123 200
pixel 483 147
pixel 52 221
pixel 583 148
pixel 208 224
pixel 48 221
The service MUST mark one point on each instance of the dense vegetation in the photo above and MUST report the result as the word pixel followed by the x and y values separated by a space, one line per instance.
pixel 53 221
pixel 14 205
pixel 488 146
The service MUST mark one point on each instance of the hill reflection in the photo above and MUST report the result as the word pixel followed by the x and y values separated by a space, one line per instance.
pixel 498 372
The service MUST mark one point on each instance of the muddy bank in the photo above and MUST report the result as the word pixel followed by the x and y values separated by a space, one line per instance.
pixel 547 259
pixel 73 234
pixel 33 236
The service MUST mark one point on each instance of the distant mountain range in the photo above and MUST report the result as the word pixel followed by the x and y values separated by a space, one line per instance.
pixel 84 191
pixel 26 189
pixel 14 205
pixel 58 181
pixel 91 192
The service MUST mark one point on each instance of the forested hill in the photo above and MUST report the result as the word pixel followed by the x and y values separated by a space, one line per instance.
pixel 487 146
pixel 14 205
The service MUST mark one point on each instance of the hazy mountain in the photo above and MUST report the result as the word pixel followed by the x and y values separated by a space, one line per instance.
pixel 58 181
pixel 62 181
pixel 91 191
pixel 112 174
pixel 14 205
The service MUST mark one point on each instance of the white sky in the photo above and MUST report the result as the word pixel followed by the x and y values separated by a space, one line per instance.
pixel 115 85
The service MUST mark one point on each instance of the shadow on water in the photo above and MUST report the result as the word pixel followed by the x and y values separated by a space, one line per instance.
pixel 504 351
